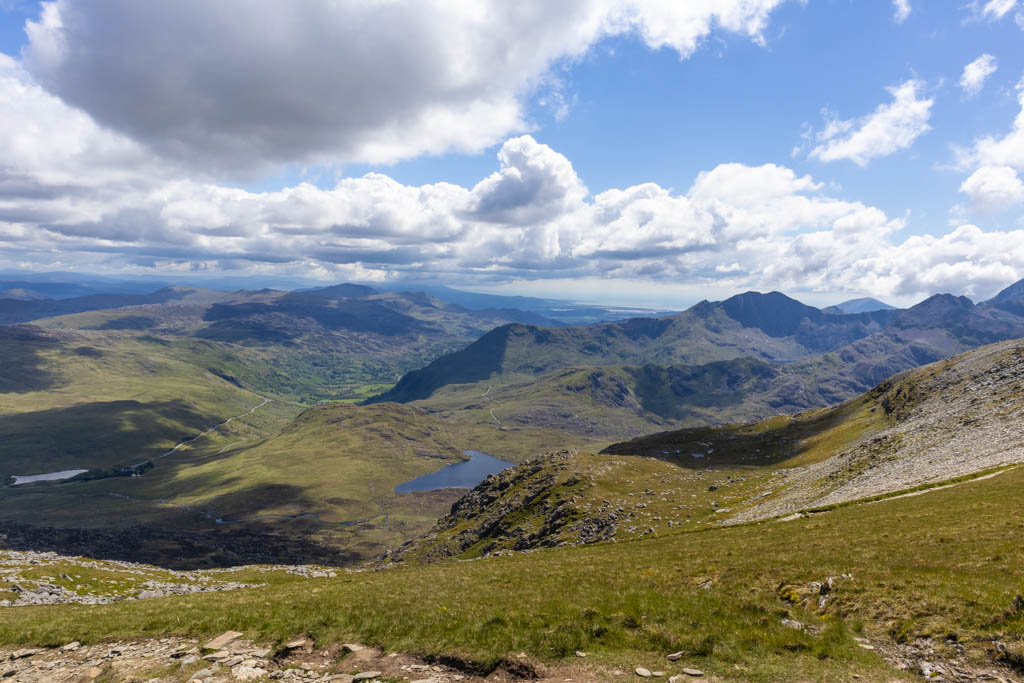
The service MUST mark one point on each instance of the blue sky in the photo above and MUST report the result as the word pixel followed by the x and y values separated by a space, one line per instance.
pixel 551 152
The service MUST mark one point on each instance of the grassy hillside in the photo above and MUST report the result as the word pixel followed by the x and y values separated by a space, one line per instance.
pixel 897 566
pixel 71 400
pixel 331 343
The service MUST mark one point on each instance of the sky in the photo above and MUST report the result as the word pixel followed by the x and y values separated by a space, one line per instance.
pixel 640 152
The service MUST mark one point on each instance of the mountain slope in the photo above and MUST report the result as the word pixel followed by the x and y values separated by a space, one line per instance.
pixel 332 343
pixel 1010 299
pixel 619 400
pixel 19 310
pixel 763 326
pixel 85 401
pixel 952 419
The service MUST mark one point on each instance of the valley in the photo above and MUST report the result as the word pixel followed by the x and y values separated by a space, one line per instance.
pixel 781 429
pixel 491 342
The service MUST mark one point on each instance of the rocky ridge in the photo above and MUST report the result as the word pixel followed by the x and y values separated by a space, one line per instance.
pixel 523 508
pixel 46 578
pixel 955 418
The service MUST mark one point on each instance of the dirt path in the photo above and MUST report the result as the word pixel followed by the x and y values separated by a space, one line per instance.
pixel 909 494
pixel 191 439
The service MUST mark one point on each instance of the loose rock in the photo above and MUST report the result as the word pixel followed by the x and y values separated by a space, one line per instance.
pixel 222 640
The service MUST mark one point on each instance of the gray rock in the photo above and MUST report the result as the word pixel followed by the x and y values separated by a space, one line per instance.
pixel 222 640
pixel 248 673
pixel 642 672
pixel 365 676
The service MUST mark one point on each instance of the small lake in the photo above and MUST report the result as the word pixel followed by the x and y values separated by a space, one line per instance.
pixel 51 476
pixel 461 475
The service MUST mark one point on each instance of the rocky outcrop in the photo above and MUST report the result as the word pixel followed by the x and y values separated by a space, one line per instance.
pixel 523 508
pixel 31 578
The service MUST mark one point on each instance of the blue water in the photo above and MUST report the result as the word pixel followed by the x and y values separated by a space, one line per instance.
pixel 461 475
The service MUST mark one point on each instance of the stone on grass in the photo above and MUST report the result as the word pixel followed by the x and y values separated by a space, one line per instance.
pixel 298 643
pixel 365 676
pixel 675 656
pixel 222 640
pixel 351 647
pixel 696 673
pixel 642 672
pixel 581 653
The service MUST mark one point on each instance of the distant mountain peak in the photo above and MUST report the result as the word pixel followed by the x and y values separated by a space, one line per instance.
pixel 774 313
pixel 861 305
pixel 943 301
pixel 1014 291
pixel 345 290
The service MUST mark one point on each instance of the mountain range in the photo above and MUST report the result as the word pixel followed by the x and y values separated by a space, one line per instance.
pixel 747 357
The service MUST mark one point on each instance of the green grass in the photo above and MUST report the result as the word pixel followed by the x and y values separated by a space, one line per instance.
pixel 939 565
pixel 107 402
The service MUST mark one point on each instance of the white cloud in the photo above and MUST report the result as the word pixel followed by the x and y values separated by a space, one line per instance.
pixel 534 184
pixel 994 10
pixel 995 151
pixel 75 195
pixel 891 127
pixel 338 82
pixel 902 10
pixel 994 187
pixel 975 74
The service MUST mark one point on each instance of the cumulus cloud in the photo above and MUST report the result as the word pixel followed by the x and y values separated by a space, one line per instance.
pixel 998 151
pixel 535 183
pixel 976 73
pixel 76 195
pixel 994 187
pixel 901 10
pixel 995 164
pixel 241 85
pixel 890 128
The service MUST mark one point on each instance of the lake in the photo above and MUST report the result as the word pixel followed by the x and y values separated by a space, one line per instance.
pixel 51 476
pixel 461 475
